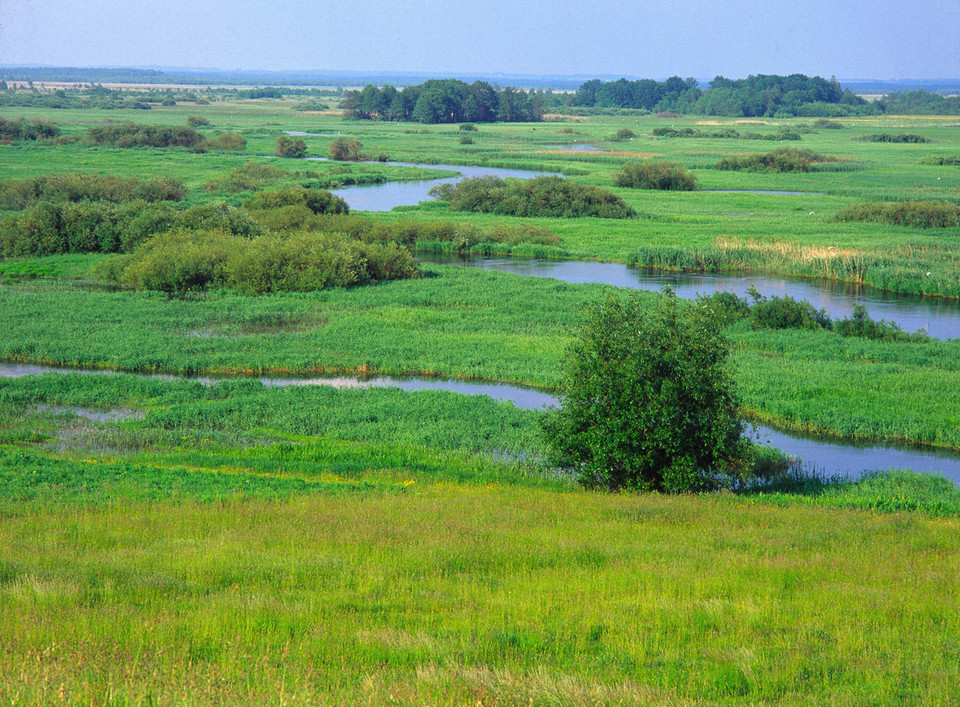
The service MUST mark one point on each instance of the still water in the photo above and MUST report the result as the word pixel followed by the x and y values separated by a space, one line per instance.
pixel 939 317
pixel 827 457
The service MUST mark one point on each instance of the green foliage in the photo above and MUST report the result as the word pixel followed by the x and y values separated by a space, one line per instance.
pixel 725 134
pixel 914 213
pixel 786 313
pixel 230 140
pixel 893 137
pixel 940 160
pixel 134 135
pixel 286 146
pixel 184 261
pixel 467 127
pixel 345 149
pixel 647 400
pixel 862 324
pixel 196 121
pixel 21 129
pixel 625 134
pixel 783 159
pixel 318 201
pixel 24 193
pixel 542 196
pixel 465 140
pixel 655 174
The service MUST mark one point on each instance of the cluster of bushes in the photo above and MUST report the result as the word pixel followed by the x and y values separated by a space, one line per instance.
pixel 229 140
pixel 655 174
pixel 134 135
pixel 318 201
pixel 725 134
pixel 892 137
pixel 539 197
pixel 54 228
pixel 182 261
pixel 16 194
pixel 784 159
pixel 788 313
pixel 21 129
pixel 916 214
pixel 940 160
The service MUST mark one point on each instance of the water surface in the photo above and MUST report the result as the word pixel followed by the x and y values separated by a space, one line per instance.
pixel 824 456
pixel 939 317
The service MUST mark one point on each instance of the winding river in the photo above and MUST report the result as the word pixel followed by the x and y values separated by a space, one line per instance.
pixel 940 318
pixel 832 458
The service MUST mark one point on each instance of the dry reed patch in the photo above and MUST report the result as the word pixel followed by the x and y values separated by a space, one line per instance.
pixel 493 686
pixel 788 250
pixel 563 118
pixel 634 155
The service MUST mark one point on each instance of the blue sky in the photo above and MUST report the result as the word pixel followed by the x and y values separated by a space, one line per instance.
pixel 878 39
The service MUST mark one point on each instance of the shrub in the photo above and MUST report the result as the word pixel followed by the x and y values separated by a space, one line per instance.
pixel 230 140
pixel 862 325
pixel 786 313
pixel 542 196
pixel 468 127
pixel 784 159
pixel 893 137
pixel 625 134
pixel 319 201
pixel 949 160
pixel 914 213
pixel 648 402
pixel 344 149
pixel 195 121
pixel 466 140
pixel 655 174
pixel 286 146
pixel 133 135
pixel 178 262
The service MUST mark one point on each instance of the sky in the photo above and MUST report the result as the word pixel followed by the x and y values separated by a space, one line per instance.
pixel 874 39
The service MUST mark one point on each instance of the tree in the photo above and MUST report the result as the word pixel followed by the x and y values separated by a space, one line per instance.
pixel 648 402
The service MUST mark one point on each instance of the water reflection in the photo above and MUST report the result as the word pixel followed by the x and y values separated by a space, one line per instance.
pixel 939 317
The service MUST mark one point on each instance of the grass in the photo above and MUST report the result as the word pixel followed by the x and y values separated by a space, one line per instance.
pixel 451 593
pixel 241 544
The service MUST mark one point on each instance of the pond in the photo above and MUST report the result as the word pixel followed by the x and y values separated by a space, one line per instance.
pixel 825 456
pixel 939 317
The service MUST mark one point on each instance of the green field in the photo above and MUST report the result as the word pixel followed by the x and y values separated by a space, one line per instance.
pixel 240 543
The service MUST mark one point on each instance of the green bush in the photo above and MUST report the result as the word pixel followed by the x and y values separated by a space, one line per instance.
pixel 648 401
pixel 784 159
pixel 786 313
pixel 539 197
pixel 134 135
pixel 914 213
pixel 655 174
pixel 230 140
pixel 286 146
pixel 182 261
pixel 24 193
pixel 892 137
pixel 196 121
pixel 345 149
pixel 319 201
pixel 949 160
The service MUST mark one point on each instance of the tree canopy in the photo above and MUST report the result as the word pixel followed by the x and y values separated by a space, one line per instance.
pixel 648 401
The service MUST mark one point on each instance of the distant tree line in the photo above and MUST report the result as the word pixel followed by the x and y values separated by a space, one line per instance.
pixel 754 96
pixel 446 101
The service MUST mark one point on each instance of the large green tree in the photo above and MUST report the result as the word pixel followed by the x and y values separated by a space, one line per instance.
pixel 648 401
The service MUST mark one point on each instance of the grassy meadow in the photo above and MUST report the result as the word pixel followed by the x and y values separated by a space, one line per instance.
pixel 170 541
